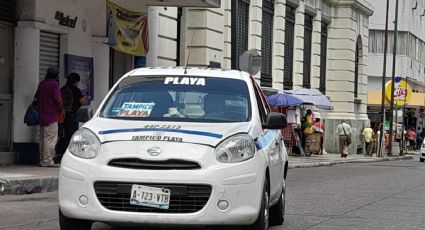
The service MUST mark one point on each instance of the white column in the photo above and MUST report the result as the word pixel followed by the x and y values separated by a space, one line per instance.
pixel 278 44
pixel 167 36
pixel 227 49
pixel 299 46
pixel 255 19
pixel 205 36
pixel 100 70
pixel 26 79
pixel 153 25
pixel 315 62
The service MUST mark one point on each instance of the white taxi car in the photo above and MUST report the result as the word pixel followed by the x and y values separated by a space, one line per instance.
pixel 422 156
pixel 175 147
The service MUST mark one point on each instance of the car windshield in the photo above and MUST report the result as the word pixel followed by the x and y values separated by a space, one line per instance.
pixel 179 98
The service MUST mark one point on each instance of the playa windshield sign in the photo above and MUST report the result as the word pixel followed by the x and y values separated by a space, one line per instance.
pixel 402 91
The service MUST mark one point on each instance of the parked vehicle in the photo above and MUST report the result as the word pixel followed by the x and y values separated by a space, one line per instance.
pixel 172 147
pixel 422 157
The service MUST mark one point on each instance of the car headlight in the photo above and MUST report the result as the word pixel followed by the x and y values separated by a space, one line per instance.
pixel 237 148
pixel 85 144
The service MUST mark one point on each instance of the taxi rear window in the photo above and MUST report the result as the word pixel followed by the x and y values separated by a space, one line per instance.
pixel 179 98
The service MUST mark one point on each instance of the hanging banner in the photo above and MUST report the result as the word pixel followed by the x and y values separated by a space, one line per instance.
pixel 128 30
pixel 402 92
pixel 84 67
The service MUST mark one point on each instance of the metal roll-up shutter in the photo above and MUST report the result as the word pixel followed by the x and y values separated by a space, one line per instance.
pixel 289 48
pixel 7 11
pixel 49 52
pixel 308 30
pixel 266 43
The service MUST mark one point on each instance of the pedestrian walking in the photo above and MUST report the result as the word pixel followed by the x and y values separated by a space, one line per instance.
pixel 411 137
pixel 368 134
pixel 49 101
pixel 343 130
pixel 73 99
pixel 419 138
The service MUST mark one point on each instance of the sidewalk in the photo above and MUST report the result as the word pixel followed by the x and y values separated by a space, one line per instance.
pixel 334 159
pixel 23 179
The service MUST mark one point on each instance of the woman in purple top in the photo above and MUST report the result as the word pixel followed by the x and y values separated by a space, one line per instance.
pixel 49 101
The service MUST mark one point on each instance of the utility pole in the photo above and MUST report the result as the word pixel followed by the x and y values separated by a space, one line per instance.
pixel 384 75
pixel 393 78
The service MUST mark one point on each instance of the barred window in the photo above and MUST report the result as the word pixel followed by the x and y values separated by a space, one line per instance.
pixel 7 11
pixel 289 48
pixel 323 56
pixel 356 70
pixel 308 29
pixel 239 33
pixel 266 42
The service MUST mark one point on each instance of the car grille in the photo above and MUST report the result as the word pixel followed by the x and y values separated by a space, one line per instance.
pixel 185 198
pixel 135 163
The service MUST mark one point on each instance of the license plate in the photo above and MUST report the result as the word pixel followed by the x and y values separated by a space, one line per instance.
pixel 150 196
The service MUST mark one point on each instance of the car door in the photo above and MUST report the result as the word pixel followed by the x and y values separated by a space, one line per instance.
pixel 273 147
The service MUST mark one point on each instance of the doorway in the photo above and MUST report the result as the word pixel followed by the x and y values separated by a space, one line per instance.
pixel 6 63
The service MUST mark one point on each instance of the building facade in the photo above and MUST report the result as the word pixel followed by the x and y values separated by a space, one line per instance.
pixel 410 61
pixel 320 44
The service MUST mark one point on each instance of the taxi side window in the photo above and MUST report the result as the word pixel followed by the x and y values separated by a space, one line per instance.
pixel 262 105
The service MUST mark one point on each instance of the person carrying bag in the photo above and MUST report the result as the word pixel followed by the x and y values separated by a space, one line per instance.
pixel 344 132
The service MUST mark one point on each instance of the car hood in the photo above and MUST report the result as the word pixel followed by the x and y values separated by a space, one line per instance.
pixel 109 130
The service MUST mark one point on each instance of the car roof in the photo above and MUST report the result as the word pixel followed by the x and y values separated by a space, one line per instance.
pixel 191 71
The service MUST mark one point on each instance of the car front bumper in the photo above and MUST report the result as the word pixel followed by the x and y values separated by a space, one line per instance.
pixel 239 184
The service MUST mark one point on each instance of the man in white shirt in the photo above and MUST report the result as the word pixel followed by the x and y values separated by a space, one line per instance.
pixel 343 130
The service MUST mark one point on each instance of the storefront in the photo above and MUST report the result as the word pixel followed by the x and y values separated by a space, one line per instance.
pixel 7 24
pixel 413 103
pixel 72 35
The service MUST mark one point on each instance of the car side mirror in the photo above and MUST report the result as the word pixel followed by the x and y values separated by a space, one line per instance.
pixel 84 114
pixel 275 121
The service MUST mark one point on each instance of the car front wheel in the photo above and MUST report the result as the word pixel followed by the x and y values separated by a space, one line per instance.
pixel 277 211
pixel 262 222
pixel 67 223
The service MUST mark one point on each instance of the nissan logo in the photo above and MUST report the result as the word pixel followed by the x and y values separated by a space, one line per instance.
pixel 154 151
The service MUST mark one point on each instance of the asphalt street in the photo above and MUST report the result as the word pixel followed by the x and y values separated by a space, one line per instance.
pixel 385 195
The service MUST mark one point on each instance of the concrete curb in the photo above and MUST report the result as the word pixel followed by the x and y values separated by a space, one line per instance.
pixel 329 163
pixel 28 186
pixel 50 184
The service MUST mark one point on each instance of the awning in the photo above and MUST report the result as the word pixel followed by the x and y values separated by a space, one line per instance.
pixel 417 99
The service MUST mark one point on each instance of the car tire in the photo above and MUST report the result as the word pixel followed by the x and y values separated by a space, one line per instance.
pixel 66 223
pixel 277 211
pixel 262 222
pixel 421 159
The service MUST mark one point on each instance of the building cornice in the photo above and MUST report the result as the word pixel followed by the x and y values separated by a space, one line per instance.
pixel 362 6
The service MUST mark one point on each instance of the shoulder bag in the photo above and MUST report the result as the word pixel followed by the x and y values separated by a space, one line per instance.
pixel 348 138
pixel 31 117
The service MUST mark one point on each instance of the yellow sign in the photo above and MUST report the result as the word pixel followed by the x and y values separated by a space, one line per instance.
pixel 128 30
pixel 402 92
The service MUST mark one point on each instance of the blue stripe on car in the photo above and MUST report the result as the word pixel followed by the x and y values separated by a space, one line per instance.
pixel 192 132
pixel 265 139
